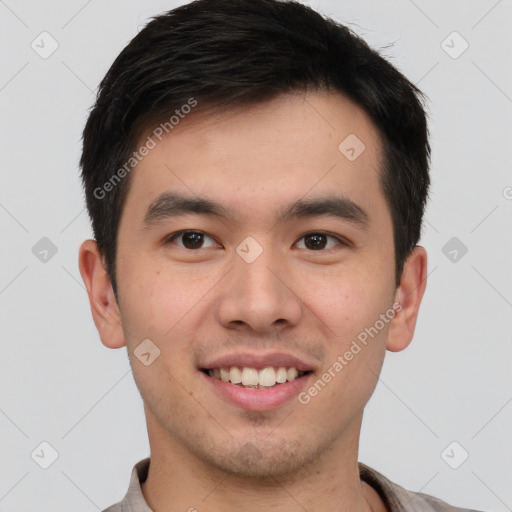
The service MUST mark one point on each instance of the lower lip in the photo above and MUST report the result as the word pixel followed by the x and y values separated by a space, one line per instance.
pixel 252 399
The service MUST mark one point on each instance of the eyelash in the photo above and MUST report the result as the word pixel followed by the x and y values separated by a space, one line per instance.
pixel 342 241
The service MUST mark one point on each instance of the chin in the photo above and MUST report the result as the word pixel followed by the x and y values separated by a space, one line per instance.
pixel 261 459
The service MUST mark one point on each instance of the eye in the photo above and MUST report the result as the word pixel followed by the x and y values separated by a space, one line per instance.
pixel 190 239
pixel 317 241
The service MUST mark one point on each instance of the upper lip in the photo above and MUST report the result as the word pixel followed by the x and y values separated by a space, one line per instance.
pixel 259 361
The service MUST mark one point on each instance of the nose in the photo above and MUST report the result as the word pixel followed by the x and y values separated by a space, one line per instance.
pixel 259 296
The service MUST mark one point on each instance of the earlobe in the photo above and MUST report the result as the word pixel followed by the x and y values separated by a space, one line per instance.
pixel 409 295
pixel 104 307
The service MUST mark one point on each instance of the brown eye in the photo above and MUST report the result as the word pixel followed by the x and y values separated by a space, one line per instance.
pixel 190 239
pixel 319 241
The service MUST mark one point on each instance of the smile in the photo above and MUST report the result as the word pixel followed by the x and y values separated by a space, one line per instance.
pixel 252 378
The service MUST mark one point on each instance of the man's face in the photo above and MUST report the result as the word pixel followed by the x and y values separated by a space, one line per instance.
pixel 255 290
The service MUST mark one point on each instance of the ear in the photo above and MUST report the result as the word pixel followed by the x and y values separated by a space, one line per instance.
pixel 104 308
pixel 409 294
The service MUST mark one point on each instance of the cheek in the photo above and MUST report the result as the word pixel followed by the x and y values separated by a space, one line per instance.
pixel 159 307
pixel 156 299
pixel 346 301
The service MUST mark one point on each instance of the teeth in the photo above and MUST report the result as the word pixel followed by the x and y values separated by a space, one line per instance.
pixel 235 375
pixel 267 377
pixel 250 377
pixel 281 375
pixel 292 374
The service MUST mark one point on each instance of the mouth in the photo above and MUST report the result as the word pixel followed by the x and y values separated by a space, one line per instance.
pixel 268 377
pixel 257 382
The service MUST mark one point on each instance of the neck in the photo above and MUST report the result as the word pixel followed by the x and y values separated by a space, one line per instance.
pixel 178 480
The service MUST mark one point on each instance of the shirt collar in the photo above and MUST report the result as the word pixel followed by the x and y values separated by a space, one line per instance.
pixel 396 498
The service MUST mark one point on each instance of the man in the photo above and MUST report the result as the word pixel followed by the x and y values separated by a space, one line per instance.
pixel 256 177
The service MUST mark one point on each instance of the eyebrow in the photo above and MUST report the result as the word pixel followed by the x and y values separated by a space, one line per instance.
pixel 170 204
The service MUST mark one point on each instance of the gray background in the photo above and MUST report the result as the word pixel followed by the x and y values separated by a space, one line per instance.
pixel 61 385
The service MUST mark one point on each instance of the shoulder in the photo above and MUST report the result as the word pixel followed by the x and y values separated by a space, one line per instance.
pixel 420 502
pixel 133 500
pixel 114 508
pixel 398 499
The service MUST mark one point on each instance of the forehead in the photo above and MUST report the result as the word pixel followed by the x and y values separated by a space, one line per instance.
pixel 249 158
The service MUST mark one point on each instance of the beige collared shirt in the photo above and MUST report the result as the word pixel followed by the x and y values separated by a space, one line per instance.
pixel 396 498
